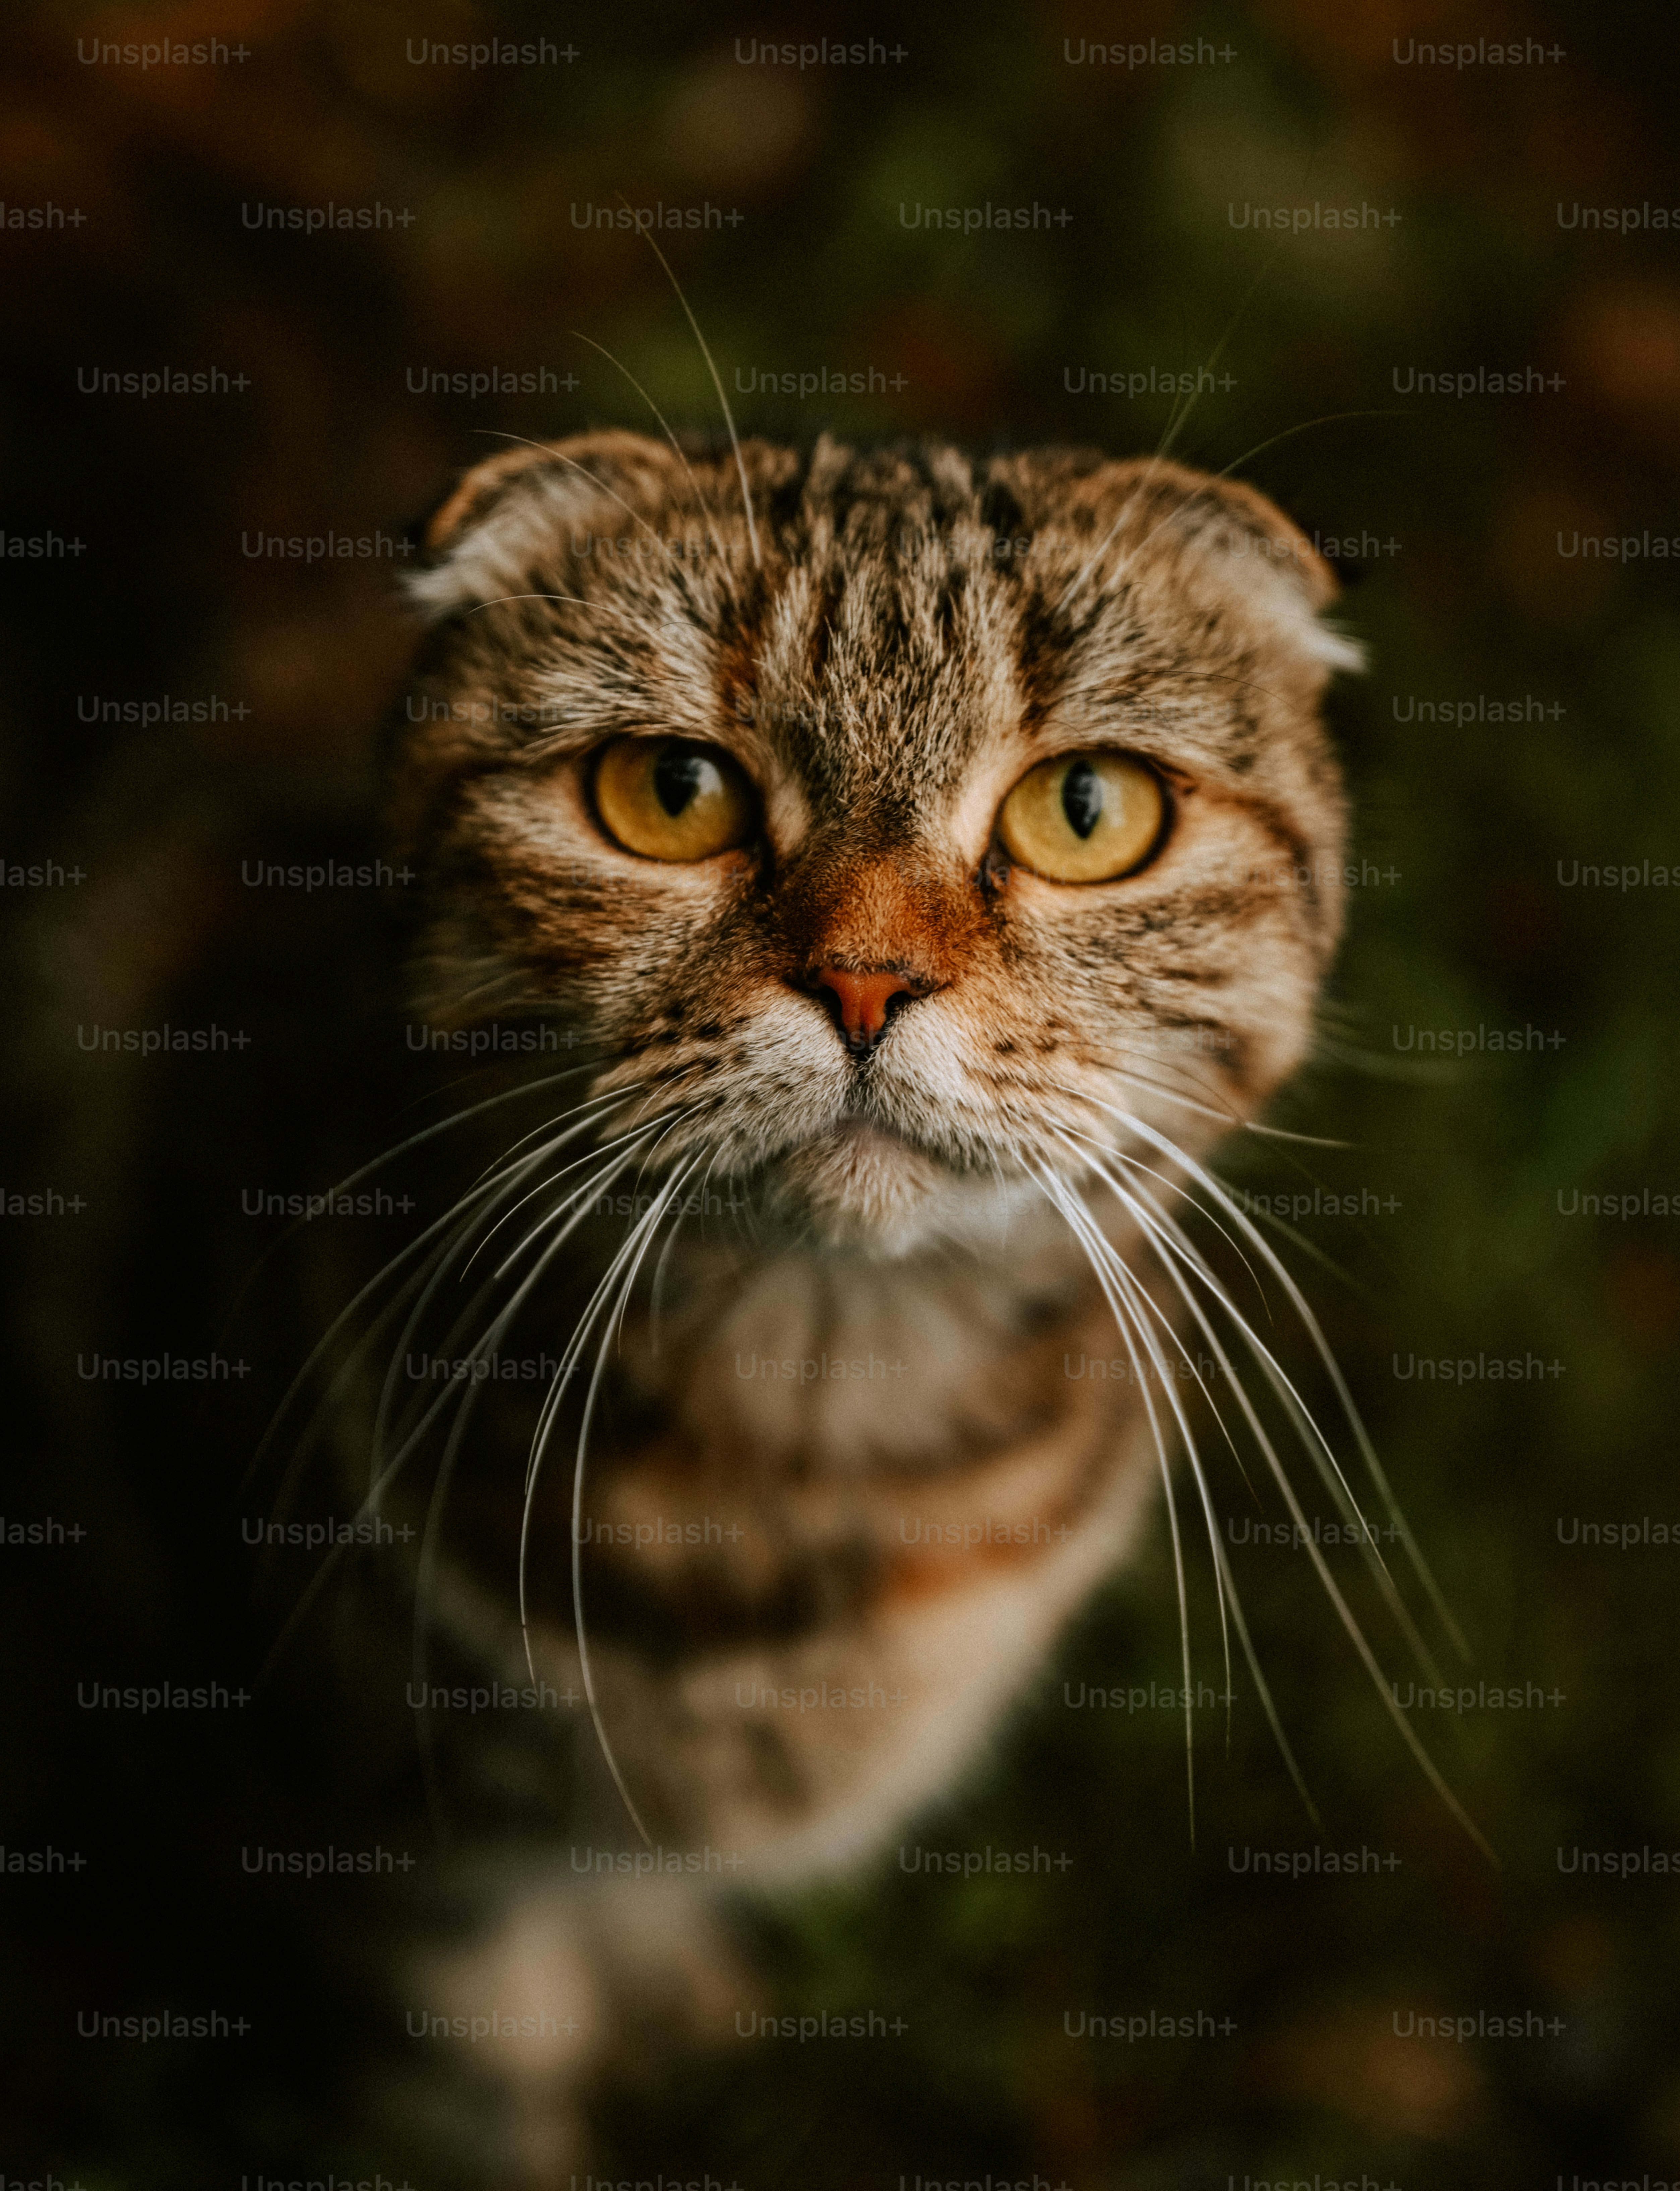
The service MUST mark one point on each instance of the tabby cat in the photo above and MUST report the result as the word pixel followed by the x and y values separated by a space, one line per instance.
pixel 932 859
pixel 859 888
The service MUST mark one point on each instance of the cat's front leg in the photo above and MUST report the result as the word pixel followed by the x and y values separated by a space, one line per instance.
pixel 563 1992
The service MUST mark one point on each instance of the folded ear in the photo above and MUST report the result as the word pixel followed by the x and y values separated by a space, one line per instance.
pixel 474 493
pixel 1290 582
pixel 1217 525
pixel 503 520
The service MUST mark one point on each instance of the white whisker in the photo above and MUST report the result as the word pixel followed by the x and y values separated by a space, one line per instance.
pixel 505 1182
pixel 1079 1220
pixel 647 1227
pixel 717 383
pixel 681 456
pixel 1174 1247
pixel 344 1186
pixel 609 1104
pixel 1213 1186
pixel 1102 1252
pixel 454 1391
pixel 1180 1260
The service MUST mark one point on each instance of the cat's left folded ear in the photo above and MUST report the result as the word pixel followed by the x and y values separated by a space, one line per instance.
pixel 509 511
pixel 471 496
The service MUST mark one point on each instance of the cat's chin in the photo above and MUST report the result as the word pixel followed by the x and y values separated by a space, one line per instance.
pixel 858 1186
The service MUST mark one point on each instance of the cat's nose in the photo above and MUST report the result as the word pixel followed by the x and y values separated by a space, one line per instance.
pixel 862 1003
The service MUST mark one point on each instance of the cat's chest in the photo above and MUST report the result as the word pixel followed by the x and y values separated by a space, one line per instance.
pixel 802 1444
pixel 827 1520
pixel 917 1368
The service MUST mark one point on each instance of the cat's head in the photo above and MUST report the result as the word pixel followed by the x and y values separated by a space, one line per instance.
pixel 893 840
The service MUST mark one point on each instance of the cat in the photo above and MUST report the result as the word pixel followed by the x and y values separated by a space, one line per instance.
pixel 888 996
pixel 863 887
pixel 914 845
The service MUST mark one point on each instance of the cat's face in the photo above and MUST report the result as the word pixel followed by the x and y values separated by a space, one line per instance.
pixel 985 801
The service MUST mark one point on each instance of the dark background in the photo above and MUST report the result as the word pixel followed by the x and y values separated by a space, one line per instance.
pixel 1467 835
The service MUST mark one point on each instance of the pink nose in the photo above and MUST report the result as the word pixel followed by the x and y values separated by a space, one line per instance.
pixel 863 999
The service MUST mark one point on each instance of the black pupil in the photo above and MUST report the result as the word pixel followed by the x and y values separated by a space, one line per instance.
pixel 1082 797
pixel 678 774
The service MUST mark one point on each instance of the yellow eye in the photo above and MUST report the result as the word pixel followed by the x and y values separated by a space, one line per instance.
pixel 1083 817
pixel 669 798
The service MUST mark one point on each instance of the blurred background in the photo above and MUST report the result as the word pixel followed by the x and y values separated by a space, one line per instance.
pixel 1517 731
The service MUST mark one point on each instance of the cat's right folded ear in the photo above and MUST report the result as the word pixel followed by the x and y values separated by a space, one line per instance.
pixel 485 532
pixel 472 496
